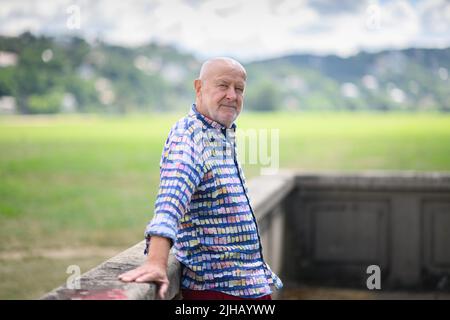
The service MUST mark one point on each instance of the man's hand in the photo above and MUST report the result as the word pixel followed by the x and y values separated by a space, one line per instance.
pixel 155 268
pixel 149 272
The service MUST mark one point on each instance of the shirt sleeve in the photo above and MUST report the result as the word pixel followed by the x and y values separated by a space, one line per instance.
pixel 181 171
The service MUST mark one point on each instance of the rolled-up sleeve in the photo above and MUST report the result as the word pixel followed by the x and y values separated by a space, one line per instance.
pixel 181 171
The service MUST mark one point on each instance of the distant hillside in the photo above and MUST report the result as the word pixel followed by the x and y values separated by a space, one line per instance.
pixel 411 79
pixel 51 75
pixel 47 75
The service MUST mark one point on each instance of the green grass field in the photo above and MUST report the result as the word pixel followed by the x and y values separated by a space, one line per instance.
pixel 76 189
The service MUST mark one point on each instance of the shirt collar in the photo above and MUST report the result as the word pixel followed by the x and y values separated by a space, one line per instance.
pixel 207 121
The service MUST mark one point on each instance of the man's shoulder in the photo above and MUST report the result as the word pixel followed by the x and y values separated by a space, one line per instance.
pixel 188 125
pixel 188 129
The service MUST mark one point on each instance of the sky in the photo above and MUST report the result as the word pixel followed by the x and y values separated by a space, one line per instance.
pixel 243 29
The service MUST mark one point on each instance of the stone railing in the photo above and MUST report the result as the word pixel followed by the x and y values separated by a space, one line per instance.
pixel 266 194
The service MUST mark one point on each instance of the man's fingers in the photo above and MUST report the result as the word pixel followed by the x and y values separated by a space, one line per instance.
pixel 161 282
pixel 146 277
pixel 131 275
pixel 148 274
pixel 143 275
pixel 163 290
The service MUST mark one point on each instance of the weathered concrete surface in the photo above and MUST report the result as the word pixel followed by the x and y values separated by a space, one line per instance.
pixel 266 192
pixel 375 180
pixel 101 283
pixel 342 222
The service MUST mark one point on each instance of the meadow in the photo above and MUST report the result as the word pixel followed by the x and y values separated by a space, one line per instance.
pixel 78 189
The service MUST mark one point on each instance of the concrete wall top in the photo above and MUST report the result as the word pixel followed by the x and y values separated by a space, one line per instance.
pixel 375 180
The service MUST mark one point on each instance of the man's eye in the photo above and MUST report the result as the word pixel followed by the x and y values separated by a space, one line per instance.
pixel 240 89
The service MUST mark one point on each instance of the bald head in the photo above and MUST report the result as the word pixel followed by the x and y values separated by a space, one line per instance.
pixel 211 65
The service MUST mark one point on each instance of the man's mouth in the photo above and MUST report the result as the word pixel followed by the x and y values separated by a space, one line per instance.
pixel 228 106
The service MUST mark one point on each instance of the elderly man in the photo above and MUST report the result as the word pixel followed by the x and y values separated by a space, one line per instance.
pixel 202 209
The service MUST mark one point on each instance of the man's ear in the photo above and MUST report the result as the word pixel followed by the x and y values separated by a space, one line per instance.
pixel 197 86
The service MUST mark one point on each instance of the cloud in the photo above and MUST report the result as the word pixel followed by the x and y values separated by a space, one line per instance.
pixel 435 20
pixel 251 29
pixel 336 7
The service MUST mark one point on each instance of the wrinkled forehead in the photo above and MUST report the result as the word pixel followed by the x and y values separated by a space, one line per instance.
pixel 223 68
pixel 228 76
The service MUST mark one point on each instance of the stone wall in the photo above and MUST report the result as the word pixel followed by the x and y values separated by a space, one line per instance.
pixel 324 228
pixel 338 224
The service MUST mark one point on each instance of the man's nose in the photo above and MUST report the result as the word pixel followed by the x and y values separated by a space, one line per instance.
pixel 231 93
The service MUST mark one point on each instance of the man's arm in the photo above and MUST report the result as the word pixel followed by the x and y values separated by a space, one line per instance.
pixel 181 171
pixel 155 268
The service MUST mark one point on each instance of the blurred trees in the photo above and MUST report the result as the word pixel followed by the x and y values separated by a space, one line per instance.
pixel 49 75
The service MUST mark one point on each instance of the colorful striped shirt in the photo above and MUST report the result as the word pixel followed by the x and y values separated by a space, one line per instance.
pixel 203 207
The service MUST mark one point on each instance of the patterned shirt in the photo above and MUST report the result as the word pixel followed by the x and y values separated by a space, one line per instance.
pixel 203 207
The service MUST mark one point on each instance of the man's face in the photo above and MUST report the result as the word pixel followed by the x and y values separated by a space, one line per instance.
pixel 220 95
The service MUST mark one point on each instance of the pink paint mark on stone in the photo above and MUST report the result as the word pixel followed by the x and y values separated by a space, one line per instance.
pixel 107 294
